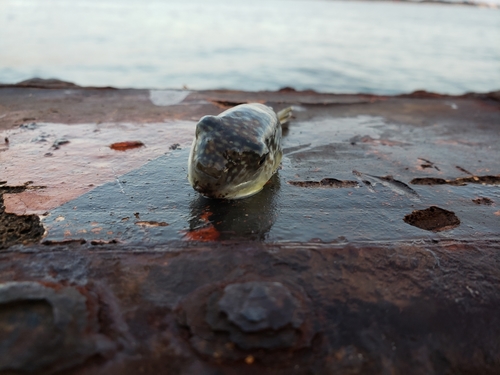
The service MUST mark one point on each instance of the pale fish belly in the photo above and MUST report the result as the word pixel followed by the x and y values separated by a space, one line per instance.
pixel 235 153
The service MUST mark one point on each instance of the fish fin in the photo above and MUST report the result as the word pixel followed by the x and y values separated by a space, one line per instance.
pixel 285 115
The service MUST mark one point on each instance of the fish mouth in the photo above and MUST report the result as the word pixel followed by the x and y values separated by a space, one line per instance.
pixel 209 186
pixel 204 181
pixel 219 188
pixel 217 181
pixel 209 173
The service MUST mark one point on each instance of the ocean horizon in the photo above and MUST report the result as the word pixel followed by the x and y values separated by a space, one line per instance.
pixel 327 46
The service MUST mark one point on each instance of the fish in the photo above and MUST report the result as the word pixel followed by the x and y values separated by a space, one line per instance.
pixel 234 154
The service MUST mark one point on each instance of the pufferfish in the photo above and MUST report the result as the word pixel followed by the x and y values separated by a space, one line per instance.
pixel 235 153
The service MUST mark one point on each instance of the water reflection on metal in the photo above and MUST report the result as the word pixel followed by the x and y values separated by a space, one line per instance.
pixel 242 219
pixel 283 212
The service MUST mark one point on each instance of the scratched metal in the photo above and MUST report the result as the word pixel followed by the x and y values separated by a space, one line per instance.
pixel 156 205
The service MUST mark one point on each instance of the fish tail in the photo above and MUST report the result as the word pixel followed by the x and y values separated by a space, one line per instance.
pixel 285 115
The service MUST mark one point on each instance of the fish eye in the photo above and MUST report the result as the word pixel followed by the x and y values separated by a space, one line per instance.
pixel 263 159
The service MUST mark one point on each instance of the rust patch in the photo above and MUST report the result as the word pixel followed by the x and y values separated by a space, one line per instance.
pixel 326 182
pixel 461 181
pixel 206 233
pixel 434 219
pixel 127 145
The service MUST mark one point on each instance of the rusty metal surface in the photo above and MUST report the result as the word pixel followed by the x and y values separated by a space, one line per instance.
pixel 373 250
pixel 420 309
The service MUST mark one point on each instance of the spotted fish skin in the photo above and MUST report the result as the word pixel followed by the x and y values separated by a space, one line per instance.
pixel 235 153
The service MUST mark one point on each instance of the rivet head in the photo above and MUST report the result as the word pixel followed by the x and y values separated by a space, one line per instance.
pixel 238 320
pixel 256 306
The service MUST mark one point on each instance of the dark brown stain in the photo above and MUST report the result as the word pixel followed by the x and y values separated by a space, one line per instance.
pixel 326 182
pixel 433 218
pixel 103 242
pixel 483 200
pixel 79 241
pixel 461 181
pixel 429 181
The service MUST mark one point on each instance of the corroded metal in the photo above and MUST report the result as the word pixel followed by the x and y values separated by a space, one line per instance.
pixel 48 327
pixel 15 229
pixel 375 249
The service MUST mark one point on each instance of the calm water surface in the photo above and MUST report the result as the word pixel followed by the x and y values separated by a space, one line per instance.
pixel 332 46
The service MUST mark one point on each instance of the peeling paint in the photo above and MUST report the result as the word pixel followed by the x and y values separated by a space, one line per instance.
pixel 81 165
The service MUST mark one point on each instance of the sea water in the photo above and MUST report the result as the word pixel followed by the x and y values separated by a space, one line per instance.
pixel 328 46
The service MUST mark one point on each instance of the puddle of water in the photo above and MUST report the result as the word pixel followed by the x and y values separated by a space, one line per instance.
pixel 158 192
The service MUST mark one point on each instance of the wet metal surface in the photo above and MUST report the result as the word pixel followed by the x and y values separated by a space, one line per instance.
pixel 348 211
pixel 86 160
pixel 375 249
pixel 413 308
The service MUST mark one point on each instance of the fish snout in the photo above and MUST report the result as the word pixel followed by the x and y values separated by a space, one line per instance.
pixel 212 172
